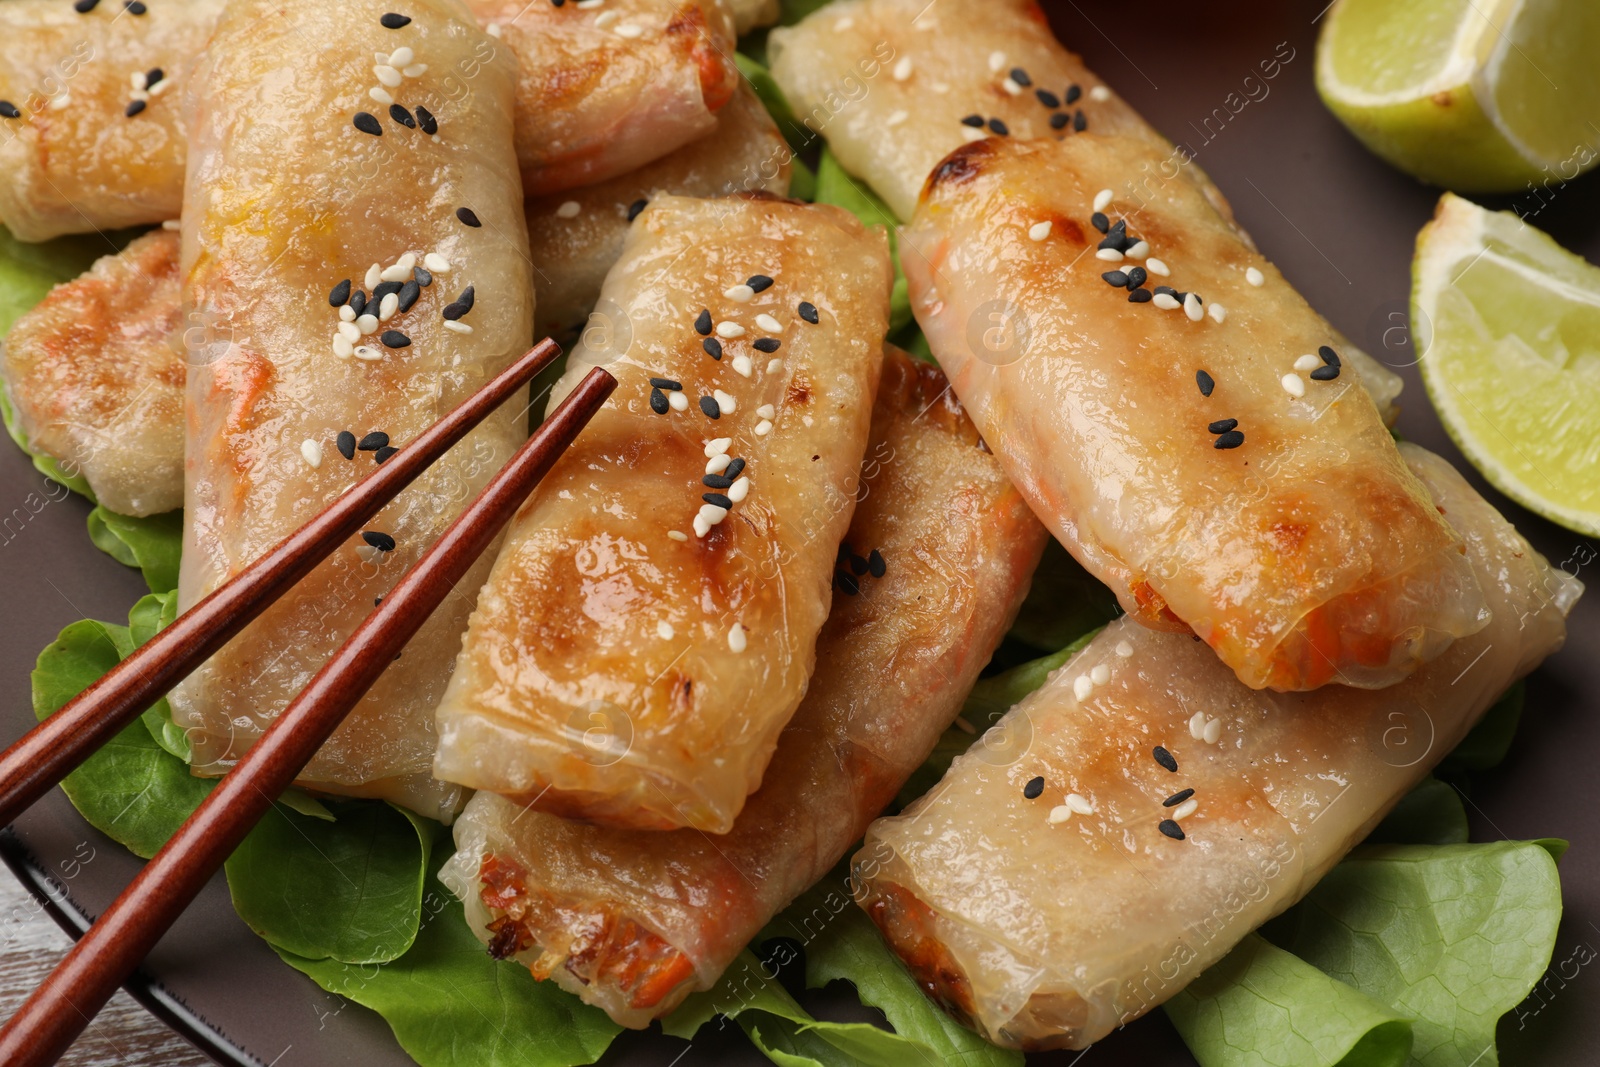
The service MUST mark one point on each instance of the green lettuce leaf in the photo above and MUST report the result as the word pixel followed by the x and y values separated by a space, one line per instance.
pixel 1453 936
pixel 766 89
pixel 1063 603
pixel 151 544
pixel 838 188
pixel 1431 814
pixel 29 271
pixel 45 465
pixel 1263 1007
pixel 1488 742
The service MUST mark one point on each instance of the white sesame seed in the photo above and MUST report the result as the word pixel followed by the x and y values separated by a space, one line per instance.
pixel 1294 385
pixel 718 446
pixel 718 463
pixel 388 306
pixel 342 347
pixel 1307 362
pixel 311 452
pixel 774 365
pixel 724 401
pixel 59 103
pixel 350 332
pixel 677 535
pixel 1010 85
pixel 1213 731
pixel 1100 675
pixel 402 57
pixel 1102 199
pixel 172 225
pixel 766 411
pixel 407 261
pixel 1156 266
pixel 742 366
pixel 457 326
pixel 739 294
pixel 896 117
pixel 1197 725
pixel 588 5
pixel 1110 255
pixel 139 94
pixel 494 29
pixel 140 81
pixel 1218 313
pixel 739 489
pixel 1193 309
pixel 676 400
pixel 1184 810
pixel 630 30
pixel 1139 250
pixel 1124 649
pixel 435 263
pixel 1039 230
pixel 347 313
pixel 713 513
pixel 729 329
pixel 843 24
pixel 1059 814
pixel 1082 686
pixel 701 526
pixel 1079 804
pixel 1165 301
pixel 664 629
pixel 387 76
pixel 374 276
pixel 763 427
pixel 605 18
pixel 368 353
pixel 1255 277
pixel 568 210
pixel 969 134
pixel 997 62
pixel 768 323
pixel 902 69
pixel 394 273
pixel 1100 94
pixel 160 87
pixel 381 95
pixel 366 323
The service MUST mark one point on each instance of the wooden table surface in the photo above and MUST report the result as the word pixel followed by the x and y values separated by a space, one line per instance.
pixel 124 1034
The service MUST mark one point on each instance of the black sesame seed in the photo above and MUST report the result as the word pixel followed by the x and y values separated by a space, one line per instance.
pixel 858 565
pixel 1163 757
pixel 808 311
pixel 368 124
pixel 1059 120
pixel 1073 92
pixel 717 499
pixel 424 278
pixel 1205 382
pixel 409 292
pixel 394 339
pixel 636 207
pixel 9 110
pixel 468 217
pixel 384 453
pixel 1114 277
pixel 452 312
pixel 1034 789
pixel 557 3
pixel 1325 374
pixel 734 469
pixel 339 296
pixel 134 107
pixel 383 289
pixel 847 584
pixel 842 557
pixel 1231 439
pixel 1222 426
pixel 1047 98
pixel 373 441
pixel 425 119
pixel 358 302
pixel 1169 291
pixel 1171 829
pixel 975 121
pixel 392 21
pixel 702 324
pixel 758 283
pixel 1116 237
pixel 766 344
pixel 666 383
pixel 134 7
pixel 713 347
pixel 708 404
pixel 468 297
pixel 1177 798
pixel 717 481
pixel 83 7
pixel 1329 356
pixel 1140 296
pixel 1079 122
pixel 658 402
pixel 402 116
pixel 346 444
pixel 1020 76
pixel 380 541
pixel 153 75
pixel 1137 277
pixel 1099 221
pixel 998 128
pixel 876 564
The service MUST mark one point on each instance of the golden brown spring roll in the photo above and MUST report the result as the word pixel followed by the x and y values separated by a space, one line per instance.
pixel 91 123
pixel 296 213
pixel 939 555
pixel 651 623
pixel 1123 827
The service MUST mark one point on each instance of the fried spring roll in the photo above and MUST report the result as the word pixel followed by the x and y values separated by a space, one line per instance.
pixel 1050 921
pixel 1204 453
pixel 576 236
pixel 288 205
pixel 934 567
pixel 97 383
pixel 604 90
pixel 83 144
pixel 651 623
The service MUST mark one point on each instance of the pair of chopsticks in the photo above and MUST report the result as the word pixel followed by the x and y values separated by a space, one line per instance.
pixel 48 1022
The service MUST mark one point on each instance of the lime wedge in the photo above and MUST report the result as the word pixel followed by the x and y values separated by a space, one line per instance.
pixel 1473 95
pixel 1508 324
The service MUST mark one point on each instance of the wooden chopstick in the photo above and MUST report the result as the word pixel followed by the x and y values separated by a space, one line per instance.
pixel 45 755
pixel 62 1006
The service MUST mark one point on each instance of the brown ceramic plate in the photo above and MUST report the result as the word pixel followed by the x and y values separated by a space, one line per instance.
pixel 1338 222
